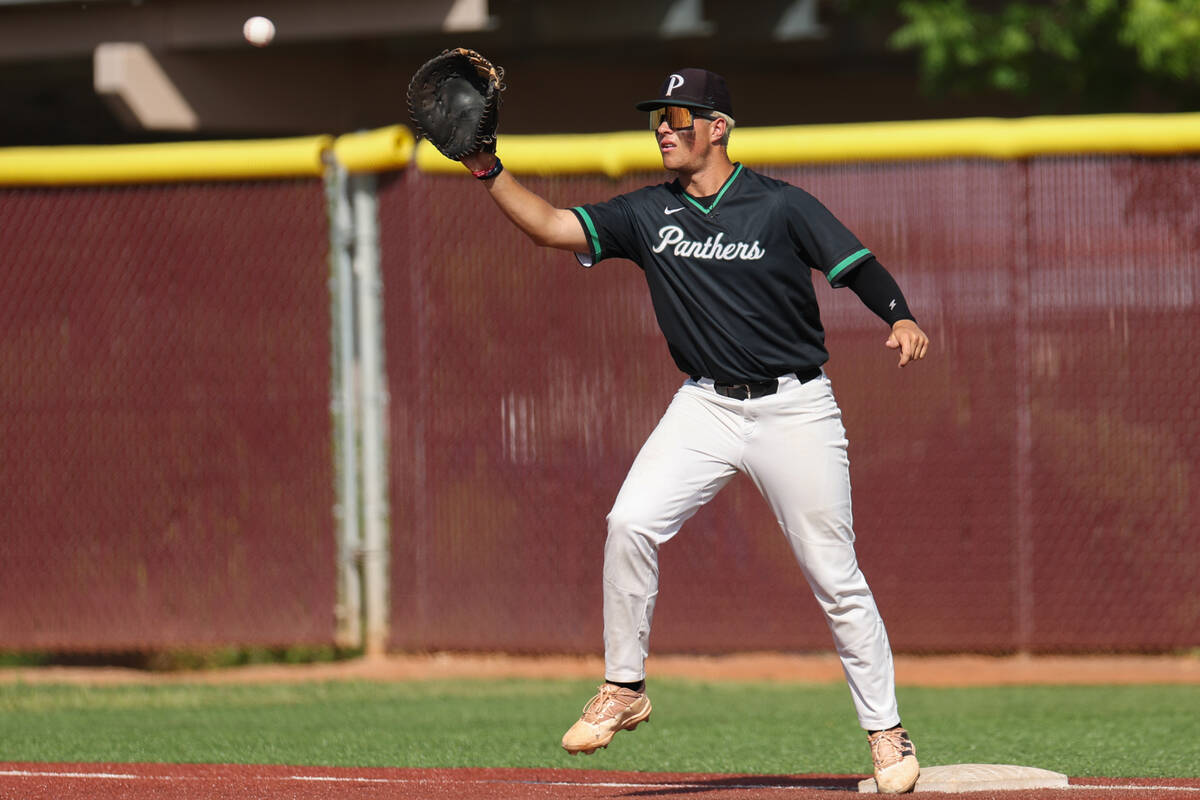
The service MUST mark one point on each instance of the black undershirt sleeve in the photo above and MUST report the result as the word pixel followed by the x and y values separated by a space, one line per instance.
pixel 879 292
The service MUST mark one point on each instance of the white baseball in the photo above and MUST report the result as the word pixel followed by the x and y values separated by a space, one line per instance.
pixel 259 31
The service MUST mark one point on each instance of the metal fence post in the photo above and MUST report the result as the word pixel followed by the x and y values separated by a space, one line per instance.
pixel 1023 324
pixel 374 402
pixel 348 614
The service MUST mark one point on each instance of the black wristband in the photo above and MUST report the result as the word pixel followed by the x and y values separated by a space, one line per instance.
pixel 487 174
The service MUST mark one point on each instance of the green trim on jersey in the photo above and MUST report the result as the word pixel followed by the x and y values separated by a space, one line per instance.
pixel 591 230
pixel 720 194
pixel 846 262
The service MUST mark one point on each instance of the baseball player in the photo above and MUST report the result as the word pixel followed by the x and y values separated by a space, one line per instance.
pixel 728 256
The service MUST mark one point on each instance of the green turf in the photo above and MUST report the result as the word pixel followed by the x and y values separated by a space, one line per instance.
pixel 1145 731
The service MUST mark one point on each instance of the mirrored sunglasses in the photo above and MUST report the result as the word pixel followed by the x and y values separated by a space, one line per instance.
pixel 678 118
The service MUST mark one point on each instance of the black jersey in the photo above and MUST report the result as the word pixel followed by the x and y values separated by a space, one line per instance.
pixel 730 276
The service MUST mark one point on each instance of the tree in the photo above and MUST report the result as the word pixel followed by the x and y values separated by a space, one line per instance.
pixel 1089 55
pixel 1166 35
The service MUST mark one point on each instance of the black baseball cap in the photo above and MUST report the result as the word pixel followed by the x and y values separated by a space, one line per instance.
pixel 692 88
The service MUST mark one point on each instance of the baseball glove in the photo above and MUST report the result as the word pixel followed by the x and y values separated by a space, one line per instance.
pixel 454 102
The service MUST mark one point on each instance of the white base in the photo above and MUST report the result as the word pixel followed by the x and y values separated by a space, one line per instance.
pixel 979 777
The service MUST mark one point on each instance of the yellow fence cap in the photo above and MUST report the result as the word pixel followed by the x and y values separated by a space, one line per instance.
pixel 982 137
pixel 375 150
pixel 156 163
pixel 612 154
pixel 616 154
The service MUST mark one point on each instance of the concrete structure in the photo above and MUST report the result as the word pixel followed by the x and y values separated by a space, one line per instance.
pixel 108 71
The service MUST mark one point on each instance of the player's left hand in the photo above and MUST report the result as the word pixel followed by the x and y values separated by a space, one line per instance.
pixel 909 339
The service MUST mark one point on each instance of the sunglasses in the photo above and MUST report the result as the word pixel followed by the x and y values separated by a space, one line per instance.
pixel 678 118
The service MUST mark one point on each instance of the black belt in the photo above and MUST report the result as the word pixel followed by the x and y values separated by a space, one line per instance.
pixel 747 390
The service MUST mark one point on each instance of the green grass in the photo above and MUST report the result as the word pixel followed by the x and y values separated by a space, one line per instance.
pixel 1144 731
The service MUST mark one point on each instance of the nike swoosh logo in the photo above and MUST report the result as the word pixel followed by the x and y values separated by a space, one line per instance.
pixel 670 211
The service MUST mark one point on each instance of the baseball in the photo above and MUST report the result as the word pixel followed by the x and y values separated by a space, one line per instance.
pixel 259 31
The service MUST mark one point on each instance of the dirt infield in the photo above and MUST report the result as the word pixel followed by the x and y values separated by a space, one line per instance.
pixel 933 671
pixel 20 781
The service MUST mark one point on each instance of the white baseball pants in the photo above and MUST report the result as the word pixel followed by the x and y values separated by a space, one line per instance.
pixel 793 446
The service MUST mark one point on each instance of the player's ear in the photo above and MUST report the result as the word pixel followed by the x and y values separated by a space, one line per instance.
pixel 716 130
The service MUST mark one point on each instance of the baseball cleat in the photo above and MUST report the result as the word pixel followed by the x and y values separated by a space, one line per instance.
pixel 895 756
pixel 613 709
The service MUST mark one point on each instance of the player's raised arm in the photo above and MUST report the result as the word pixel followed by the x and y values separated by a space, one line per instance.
pixel 454 102
pixel 546 225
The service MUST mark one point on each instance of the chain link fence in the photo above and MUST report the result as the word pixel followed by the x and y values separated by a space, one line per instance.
pixel 165 432
pixel 170 396
pixel 1028 487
